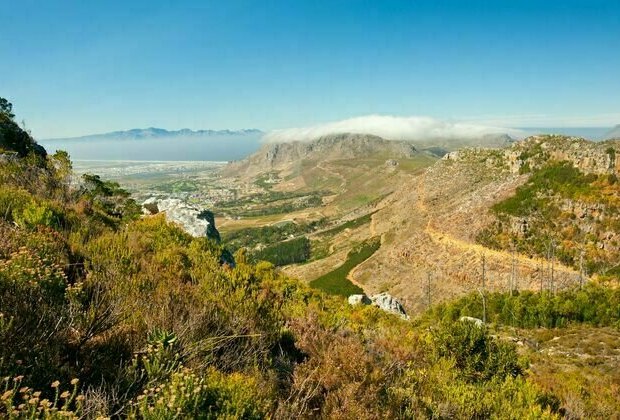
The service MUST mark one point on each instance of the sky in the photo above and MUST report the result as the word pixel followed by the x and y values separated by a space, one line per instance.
pixel 79 67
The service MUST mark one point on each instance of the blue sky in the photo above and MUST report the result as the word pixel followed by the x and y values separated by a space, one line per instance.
pixel 78 67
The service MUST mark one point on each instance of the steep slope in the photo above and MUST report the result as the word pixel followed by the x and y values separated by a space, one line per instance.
pixel 12 137
pixel 430 225
pixel 614 133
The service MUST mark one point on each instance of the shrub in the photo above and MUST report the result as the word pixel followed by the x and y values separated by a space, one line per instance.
pixel 478 356
pixel 211 395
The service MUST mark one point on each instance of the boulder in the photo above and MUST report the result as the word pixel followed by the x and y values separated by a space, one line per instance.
pixel 476 321
pixel 359 300
pixel 389 303
pixel 150 206
pixel 180 212
pixel 382 301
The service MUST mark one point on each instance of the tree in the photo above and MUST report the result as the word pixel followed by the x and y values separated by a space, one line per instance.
pixel 6 108
pixel 12 137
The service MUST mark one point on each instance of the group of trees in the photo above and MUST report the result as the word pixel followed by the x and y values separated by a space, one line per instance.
pixel 593 304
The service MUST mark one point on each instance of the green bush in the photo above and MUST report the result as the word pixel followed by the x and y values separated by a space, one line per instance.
pixel 284 253
pixel 594 304
pixel 13 201
pixel 212 395
pixel 478 356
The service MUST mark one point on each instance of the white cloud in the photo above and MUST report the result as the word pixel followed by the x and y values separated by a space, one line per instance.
pixel 391 128
pixel 547 120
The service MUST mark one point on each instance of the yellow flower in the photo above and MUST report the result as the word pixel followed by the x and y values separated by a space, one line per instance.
pixel 37 394
pixel 55 384
pixel 65 395
pixel 7 395
pixel 74 381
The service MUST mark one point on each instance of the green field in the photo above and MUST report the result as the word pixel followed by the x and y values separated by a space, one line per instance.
pixel 335 282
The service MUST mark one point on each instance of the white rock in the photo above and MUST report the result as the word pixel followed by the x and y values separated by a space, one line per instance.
pixel 476 321
pixel 389 303
pixel 359 300
pixel 180 212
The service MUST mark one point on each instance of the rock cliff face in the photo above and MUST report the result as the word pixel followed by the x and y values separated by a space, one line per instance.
pixel 193 220
pixel 587 156
pixel 280 156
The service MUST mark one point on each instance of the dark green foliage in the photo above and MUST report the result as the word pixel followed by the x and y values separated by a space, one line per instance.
pixel 6 108
pixel 335 282
pixel 594 305
pixel 12 137
pixel 268 235
pixel 271 202
pixel 476 354
pixel 283 253
pixel 212 232
pixel 109 197
pixel 558 178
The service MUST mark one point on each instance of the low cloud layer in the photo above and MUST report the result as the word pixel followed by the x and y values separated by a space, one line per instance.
pixel 391 128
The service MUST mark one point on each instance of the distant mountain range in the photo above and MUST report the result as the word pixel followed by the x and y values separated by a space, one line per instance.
pixel 590 133
pixel 224 145
pixel 152 132
pixel 160 144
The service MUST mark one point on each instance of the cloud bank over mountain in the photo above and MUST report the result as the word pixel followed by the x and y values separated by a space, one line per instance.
pixel 414 128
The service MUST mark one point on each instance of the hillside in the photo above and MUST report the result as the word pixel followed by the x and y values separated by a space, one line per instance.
pixel 106 312
pixel 431 226
pixel 614 133
pixel 289 156
pixel 440 227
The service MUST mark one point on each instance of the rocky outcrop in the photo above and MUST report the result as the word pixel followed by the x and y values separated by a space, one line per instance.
pixel 359 300
pixel 589 157
pixel 383 301
pixel 195 221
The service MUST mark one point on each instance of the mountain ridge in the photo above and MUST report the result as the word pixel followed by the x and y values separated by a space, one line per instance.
pixel 155 132
pixel 281 156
